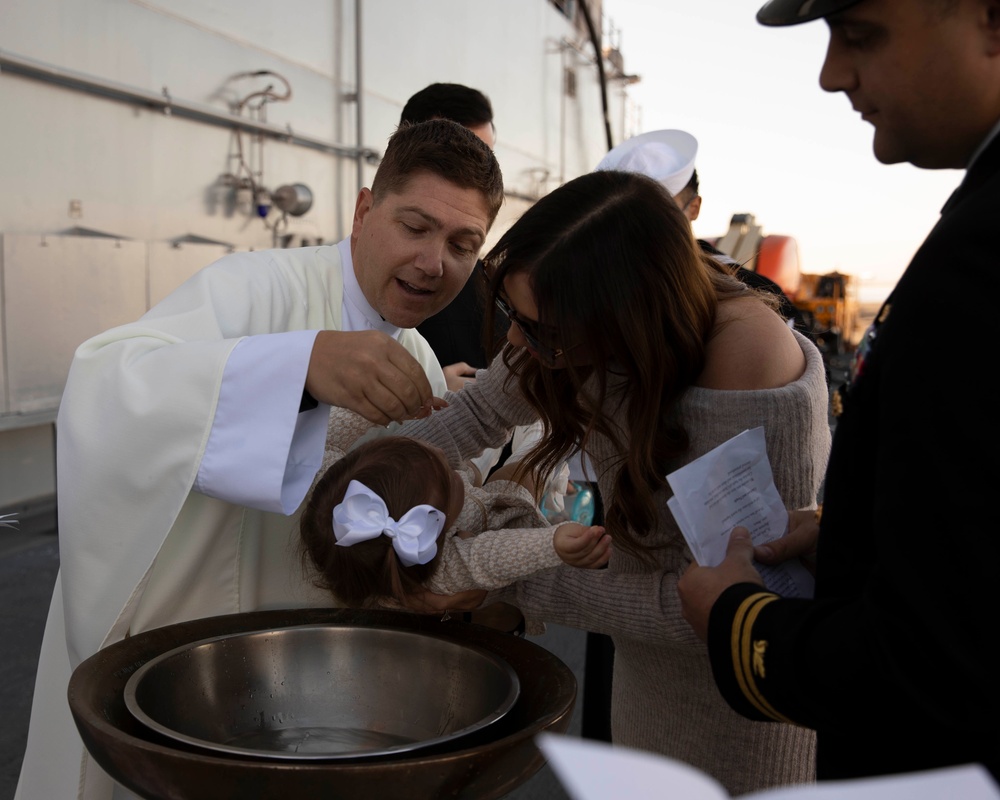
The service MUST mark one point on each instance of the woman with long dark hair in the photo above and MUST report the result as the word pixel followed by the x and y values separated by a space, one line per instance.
pixel 630 344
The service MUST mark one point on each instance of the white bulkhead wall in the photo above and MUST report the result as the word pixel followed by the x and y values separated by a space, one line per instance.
pixel 82 153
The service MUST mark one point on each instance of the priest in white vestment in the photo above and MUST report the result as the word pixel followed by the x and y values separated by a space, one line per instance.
pixel 188 439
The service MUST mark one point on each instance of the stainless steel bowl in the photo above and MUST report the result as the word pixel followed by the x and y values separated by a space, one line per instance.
pixel 321 692
pixel 485 765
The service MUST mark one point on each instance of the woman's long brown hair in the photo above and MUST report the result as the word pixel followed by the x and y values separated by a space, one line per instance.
pixel 618 277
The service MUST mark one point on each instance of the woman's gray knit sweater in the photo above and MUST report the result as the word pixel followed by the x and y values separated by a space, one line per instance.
pixel 664 697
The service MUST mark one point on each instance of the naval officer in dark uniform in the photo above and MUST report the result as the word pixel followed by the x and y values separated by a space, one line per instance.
pixel 893 663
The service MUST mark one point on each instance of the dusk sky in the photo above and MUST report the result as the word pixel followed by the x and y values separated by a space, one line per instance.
pixel 771 142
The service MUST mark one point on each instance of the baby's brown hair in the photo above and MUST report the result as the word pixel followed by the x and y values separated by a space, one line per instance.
pixel 405 473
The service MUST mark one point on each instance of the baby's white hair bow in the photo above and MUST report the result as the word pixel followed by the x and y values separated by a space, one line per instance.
pixel 363 515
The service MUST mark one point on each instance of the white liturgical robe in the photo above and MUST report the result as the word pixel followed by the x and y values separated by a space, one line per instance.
pixel 182 460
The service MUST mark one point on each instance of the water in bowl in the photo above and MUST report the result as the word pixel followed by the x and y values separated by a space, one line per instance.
pixel 317 740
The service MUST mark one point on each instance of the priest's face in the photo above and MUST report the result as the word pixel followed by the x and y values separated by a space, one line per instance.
pixel 414 250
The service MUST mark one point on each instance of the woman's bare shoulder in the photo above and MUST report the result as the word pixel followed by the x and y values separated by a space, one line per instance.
pixel 752 347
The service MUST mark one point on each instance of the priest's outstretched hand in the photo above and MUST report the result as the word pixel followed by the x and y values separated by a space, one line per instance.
pixel 370 373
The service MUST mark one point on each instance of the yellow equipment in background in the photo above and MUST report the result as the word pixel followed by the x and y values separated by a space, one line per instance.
pixel 828 301
pixel 831 300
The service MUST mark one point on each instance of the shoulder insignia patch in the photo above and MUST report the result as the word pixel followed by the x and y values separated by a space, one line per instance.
pixel 759 646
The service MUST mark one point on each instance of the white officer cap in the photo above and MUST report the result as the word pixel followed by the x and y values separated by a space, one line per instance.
pixel 666 156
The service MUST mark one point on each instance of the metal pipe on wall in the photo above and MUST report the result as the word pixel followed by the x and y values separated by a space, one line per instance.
pixel 359 94
pixel 79 81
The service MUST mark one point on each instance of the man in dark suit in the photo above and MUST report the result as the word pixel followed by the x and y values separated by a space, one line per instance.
pixel 893 661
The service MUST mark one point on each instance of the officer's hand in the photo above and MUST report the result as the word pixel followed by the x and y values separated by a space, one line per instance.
pixel 799 542
pixel 700 587
pixel 371 373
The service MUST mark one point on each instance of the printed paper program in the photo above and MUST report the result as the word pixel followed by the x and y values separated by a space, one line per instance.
pixel 729 486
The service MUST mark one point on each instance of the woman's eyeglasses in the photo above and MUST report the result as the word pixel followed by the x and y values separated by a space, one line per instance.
pixel 529 329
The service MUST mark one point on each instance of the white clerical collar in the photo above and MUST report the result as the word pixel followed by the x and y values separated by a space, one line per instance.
pixel 358 314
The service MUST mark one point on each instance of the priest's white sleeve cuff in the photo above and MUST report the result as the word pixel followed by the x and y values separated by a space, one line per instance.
pixel 261 452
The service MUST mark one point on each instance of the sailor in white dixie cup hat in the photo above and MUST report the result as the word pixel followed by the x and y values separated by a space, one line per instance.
pixel 666 156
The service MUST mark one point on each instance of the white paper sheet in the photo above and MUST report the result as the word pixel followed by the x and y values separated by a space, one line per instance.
pixel 590 770
pixel 729 486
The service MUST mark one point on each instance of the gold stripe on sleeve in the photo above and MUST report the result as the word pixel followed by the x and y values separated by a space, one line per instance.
pixel 748 655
